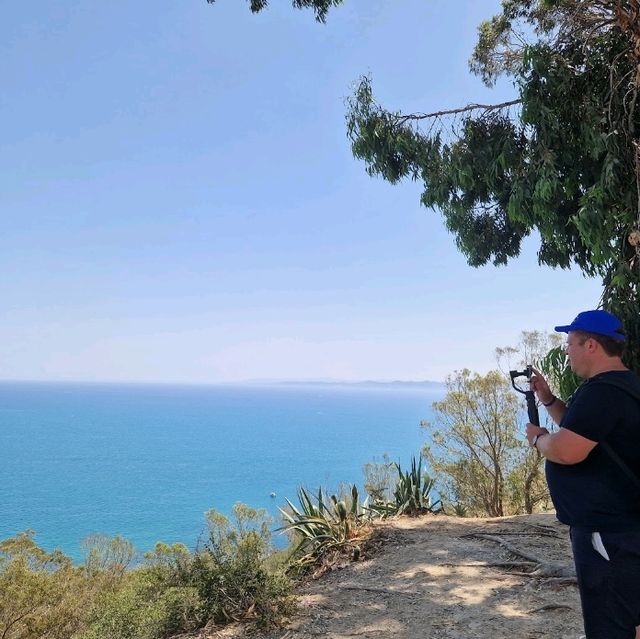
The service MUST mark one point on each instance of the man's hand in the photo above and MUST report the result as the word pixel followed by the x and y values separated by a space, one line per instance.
pixel 563 447
pixel 533 430
pixel 539 386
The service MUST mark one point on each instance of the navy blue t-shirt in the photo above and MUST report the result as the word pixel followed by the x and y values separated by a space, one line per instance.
pixel 596 494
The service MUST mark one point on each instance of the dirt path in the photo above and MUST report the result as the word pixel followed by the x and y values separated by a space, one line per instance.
pixel 443 577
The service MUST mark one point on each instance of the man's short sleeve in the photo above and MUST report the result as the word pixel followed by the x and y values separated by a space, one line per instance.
pixel 593 411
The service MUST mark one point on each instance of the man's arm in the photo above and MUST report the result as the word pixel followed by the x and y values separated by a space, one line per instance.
pixel 563 446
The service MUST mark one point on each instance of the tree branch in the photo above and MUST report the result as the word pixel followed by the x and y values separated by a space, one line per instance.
pixel 470 107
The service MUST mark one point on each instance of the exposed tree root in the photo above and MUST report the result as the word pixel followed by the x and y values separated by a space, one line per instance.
pixel 381 591
pixel 556 570
pixel 550 607
pixel 493 564
pixel 540 530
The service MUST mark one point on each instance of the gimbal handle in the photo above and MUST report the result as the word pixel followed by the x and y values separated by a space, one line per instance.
pixel 532 408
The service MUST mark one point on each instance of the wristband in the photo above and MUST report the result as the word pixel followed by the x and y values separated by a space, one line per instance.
pixel 536 439
pixel 550 403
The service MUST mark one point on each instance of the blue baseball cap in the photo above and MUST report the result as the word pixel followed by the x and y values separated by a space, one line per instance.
pixel 598 322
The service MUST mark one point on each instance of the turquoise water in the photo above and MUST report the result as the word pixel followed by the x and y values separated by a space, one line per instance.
pixel 147 461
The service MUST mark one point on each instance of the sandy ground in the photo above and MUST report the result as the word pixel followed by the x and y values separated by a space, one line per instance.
pixel 442 577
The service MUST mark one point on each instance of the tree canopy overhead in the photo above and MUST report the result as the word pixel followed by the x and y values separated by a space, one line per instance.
pixel 561 159
pixel 320 7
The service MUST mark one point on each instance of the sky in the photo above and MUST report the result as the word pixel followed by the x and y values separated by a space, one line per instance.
pixel 179 201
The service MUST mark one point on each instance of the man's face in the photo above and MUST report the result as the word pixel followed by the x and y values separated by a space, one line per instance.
pixel 576 348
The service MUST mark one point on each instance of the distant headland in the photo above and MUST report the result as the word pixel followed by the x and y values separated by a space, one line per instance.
pixel 417 384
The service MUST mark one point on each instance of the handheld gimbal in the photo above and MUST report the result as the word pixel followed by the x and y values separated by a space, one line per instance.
pixel 532 409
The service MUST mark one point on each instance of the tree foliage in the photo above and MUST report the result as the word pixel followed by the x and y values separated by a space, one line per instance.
pixel 320 7
pixel 532 348
pixel 43 595
pixel 561 159
pixel 555 367
pixel 477 452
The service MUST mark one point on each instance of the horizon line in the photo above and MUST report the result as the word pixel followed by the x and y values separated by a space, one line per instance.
pixel 249 382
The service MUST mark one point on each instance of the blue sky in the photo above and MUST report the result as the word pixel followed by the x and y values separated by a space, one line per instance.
pixel 179 201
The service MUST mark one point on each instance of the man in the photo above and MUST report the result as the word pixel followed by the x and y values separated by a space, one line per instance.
pixel 591 492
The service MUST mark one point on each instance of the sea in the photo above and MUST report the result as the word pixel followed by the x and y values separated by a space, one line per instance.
pixel 146 461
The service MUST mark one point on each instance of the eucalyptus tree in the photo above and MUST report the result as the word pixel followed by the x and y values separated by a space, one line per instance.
pixel 562 158
pixel 320 7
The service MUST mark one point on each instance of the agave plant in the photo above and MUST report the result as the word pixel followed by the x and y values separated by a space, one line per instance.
pixel 413 491
pixel 412 494
pixel 460 510
pixel 322 524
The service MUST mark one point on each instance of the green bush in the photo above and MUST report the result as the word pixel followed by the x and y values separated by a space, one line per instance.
pixel 380 478
pixel 176 591
pixel 231 574
pixel 144 607
pixel 41 594
pixel 234 576
pixel 150 601
pixel 107 556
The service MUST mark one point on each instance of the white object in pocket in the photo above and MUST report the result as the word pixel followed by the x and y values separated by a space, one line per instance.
pixel 596 542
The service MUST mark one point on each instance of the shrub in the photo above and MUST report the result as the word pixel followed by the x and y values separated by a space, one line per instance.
pixel 380 479
pixel 41 594
pixel 176 591
pixel 230 574
pixel 107 556
pixel 44 596
pixel 145 608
